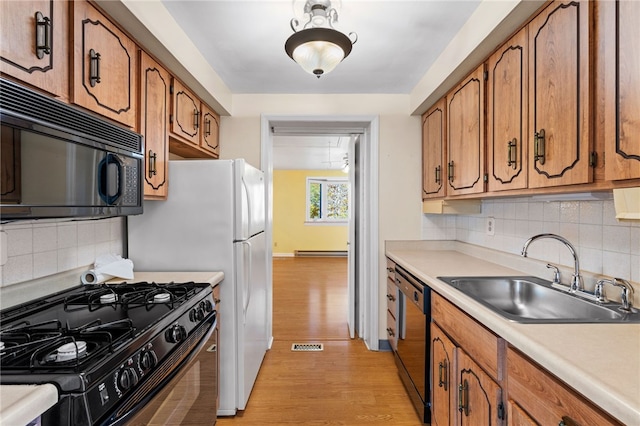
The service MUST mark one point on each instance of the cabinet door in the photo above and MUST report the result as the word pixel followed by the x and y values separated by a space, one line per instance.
pixel 479 397
pixel 433 151
pixel 507 115
pixel 210 140
pixel 35 43
pixel 185 114
pixel 559 77
pixel 517 417
pixel 104 67
pixel 443 407
pixel 155 100
pixel 622 88
pixel 465 135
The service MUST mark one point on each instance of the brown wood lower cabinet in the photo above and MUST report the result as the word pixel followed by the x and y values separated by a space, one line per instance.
pixel 546 399
pixel 478 379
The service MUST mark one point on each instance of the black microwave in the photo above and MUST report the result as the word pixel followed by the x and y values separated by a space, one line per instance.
pixel 58 161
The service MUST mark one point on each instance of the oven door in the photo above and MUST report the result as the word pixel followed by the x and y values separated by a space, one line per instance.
pixel 187 396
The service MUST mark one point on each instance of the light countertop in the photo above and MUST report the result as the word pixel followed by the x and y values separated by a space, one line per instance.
pixel 19 404
pixel 601 361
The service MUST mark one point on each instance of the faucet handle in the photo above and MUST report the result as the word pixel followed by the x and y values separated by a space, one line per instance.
pixel 627 293
pixel 598 291
pixel 556 273
pixel 626 296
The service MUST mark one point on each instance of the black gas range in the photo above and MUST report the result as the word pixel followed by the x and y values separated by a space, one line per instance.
pixel 107 348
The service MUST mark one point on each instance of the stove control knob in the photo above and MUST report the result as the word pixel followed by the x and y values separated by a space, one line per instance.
pixel 176 334
pixel 127 379
pixel 148 360
pixel 207 306
pixel 199 314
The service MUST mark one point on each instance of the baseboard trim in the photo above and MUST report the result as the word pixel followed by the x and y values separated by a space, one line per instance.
pixel 384 345
pixel 320 253
pixel 282 255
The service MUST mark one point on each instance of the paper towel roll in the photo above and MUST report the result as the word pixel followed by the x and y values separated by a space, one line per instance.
pixel 92 277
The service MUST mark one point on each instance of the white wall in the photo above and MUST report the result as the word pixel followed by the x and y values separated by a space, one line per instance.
pixel 605 246
pixel 35 249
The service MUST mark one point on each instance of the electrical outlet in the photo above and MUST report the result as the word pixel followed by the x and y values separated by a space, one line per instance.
pixel 490 226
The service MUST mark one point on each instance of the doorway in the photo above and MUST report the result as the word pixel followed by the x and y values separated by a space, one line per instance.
pixel 363 305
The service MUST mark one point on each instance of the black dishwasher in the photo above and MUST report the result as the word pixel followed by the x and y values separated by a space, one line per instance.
pixel 412 354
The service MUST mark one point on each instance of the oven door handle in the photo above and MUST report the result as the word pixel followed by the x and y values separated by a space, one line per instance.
pixel 163 374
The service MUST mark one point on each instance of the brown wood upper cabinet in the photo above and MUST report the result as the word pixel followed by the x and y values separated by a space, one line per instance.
pixel 35 43
pixel 155 100
pixel 210 140
pixel 507 107
pixel 185 114
pixel 621 32
pixel 466 135
pixel 433 151
pixel 559 86
pixel 105 66
pixel 195 127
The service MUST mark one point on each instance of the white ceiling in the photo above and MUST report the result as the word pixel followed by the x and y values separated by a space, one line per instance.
pixel 398 41
pixel 243 41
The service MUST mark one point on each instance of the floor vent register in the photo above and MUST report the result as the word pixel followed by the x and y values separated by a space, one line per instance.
pixel 307 347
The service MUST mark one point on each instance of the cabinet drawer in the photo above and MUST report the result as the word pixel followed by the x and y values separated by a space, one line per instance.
pixel 392 331
pixel 477 341
pixel 392 296
pixel 391 269
pixel 545 398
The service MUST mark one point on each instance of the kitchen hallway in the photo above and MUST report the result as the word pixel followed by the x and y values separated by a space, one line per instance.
pixel 343 385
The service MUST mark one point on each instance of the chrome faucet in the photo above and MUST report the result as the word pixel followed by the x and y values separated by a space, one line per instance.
pixel 576 279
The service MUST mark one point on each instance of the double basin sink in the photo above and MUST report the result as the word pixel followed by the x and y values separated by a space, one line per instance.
pixel 534 300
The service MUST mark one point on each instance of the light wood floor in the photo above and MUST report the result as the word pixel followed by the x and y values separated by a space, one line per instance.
pixel 346 384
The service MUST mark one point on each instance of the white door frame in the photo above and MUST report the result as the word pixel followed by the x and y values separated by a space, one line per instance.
pixel 368 229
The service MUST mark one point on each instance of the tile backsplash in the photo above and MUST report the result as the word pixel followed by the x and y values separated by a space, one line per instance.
pixel 37 248
pixel 605 245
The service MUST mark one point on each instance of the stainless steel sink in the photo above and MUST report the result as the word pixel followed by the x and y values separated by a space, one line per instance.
pixel 534 300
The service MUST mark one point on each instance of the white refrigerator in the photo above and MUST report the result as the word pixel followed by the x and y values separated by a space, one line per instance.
pixel 213 220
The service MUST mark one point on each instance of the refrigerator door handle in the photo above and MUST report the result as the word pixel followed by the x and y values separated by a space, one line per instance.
pixel 246 291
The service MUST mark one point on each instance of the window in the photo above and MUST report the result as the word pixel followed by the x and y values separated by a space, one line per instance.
pixel 327 200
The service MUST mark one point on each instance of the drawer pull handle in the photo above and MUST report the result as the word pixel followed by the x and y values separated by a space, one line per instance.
pixel 207 127
pixel 438 173
pixel 450 171
pixel 391 298
pixel 538 146
pixel 512 153
pixel 43 35
pixel 463 398
pixel 442 374
pixel 390 270
pixel 94 68
pixel 390 332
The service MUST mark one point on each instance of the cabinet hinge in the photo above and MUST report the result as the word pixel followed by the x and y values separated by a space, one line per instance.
pixel 501 411
pixel 593 158
pixel 171 89
pixel 486 75
pixel 485 178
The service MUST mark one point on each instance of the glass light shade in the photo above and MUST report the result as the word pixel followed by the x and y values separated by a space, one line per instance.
pixel 318 57
pixel 318 50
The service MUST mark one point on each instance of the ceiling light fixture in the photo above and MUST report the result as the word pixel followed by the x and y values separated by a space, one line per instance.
pixel 318 48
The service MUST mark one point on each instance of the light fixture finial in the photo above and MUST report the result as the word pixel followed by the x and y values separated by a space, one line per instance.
pixel 318 48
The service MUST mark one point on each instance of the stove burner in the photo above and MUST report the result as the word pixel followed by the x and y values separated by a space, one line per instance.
pixel 71 351
pixel 161 298
pixel 108 298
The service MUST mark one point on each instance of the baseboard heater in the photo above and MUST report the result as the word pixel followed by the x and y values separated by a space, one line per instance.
pixel 320 253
